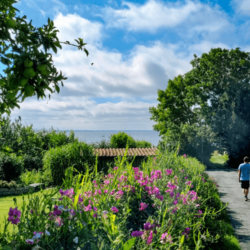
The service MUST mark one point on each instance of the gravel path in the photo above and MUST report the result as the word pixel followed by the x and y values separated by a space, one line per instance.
pixel 238 209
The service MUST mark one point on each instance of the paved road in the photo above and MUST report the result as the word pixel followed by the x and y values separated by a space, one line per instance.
pixel 238 209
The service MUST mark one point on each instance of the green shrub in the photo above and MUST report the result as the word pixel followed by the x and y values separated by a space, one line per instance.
pixel 36 176
pixel 143 144
pixel 12 184
pixel 32 162
pixel 11 166
pixel 121 140
pixel 57 160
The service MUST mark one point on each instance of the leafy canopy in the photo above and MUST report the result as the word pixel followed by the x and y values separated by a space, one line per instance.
pixel 25 53
pixel 217 90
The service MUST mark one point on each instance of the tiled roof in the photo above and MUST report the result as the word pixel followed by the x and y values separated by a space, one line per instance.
pixel 121 151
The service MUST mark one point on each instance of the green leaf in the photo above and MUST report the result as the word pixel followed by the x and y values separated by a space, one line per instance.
pixel 87 53
pixel 93 246
pixel 129 244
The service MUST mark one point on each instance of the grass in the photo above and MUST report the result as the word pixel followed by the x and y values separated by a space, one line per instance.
pixel 217 160
pixel 7 202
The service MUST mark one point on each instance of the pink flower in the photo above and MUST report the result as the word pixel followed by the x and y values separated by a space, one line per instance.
pixel 115 168
pixel 58 221
pixel 169 171
pixel 14 216
pixel 137 234
pixel 184 155
pixel 114 210
pixel 166 238
pixel 95 208
pixel 185 177
pixel 87 208
pixel 143 206
pixel 150 238
pixel 188 183
pixel 160 197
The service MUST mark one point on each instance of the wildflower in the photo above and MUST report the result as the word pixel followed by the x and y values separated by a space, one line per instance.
pixel 31 211
pixel 105 212
pixel 184 155
pixel 175 202
pixel 186 232
pixel 169 171
pixel 47 232
pixel 115 168
pixel 95 208
pixel 160 197
pixel 185 177
pixel 56 211
pixel 95 215
pixel 75 240
pixel 166 238
pixel 37 235
pixel 14 216
pixel 143 206
pixel 150 238
pixel 137 234
pixel 148 226
pixel 200 212
pixel 114 210
pixel 87 208
pixel 174 210
pixel 35 247
pixel 29 241
pixel 188 183
pixel 58 221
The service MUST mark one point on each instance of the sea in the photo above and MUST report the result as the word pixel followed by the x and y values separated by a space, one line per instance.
pixel 95 136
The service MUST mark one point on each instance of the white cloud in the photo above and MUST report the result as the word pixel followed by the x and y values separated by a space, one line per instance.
pixel 242 6
pixel 156 14
pixel 73 26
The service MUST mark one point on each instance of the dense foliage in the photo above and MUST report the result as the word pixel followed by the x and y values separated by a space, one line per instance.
pixel 122 140
pixel 11 166
pixel 168 203
pixel 25 54
pixel 57 160
pixel 216 90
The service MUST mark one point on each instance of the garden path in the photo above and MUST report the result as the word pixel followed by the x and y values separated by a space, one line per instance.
pixel 238 209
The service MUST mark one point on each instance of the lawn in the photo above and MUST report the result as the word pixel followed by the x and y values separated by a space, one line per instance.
pixel 7 202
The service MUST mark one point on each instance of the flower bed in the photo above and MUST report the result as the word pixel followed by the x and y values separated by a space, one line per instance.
pixel 170 203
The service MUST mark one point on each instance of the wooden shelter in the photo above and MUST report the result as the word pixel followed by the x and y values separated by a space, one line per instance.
pixel 106 156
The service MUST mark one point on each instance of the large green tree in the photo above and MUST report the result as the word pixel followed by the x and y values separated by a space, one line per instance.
pixel 25 53
pixel 217 89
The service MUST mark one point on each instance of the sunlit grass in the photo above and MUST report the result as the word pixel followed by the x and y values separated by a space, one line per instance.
pixel 7 202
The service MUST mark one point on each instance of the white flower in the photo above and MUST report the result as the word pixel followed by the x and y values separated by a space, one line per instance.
pixel 47 232
pixel 75 240
pixel 78 248
pixel 35 247
pixel 70 228
pixel 37 236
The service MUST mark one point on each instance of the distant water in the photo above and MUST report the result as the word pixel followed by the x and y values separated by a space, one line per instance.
pixel 93 136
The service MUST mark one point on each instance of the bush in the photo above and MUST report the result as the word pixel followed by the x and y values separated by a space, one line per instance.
pixel 36 176
pixel 143 144
pixel 12 184
pixel 121 140
pixel 11 166
pixel 57 160
pixel 32 162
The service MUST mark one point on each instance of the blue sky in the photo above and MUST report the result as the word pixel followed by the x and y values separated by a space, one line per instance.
pixel 136 46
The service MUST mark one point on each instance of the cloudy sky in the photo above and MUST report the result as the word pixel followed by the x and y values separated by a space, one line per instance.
pixel 136 46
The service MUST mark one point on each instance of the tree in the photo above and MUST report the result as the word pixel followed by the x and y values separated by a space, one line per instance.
pixel 24 50
pixel 121 140
pixel 216 89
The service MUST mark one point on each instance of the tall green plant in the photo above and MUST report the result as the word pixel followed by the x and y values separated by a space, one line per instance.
pixel 76 155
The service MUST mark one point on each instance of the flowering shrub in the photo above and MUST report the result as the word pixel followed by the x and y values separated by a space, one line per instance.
pixel 168 203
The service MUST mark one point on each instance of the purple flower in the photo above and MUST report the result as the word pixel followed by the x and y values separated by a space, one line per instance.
pixel 186 232
pixel 95 215
pixel 87 208
pixel 56 211
pixel 14 216
pixel 143 206
pixel 188 183
pixel 95 208
pixel 114 209
pixel 148 226
pixel 169 171
pixel 175 202
pixel 137 234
